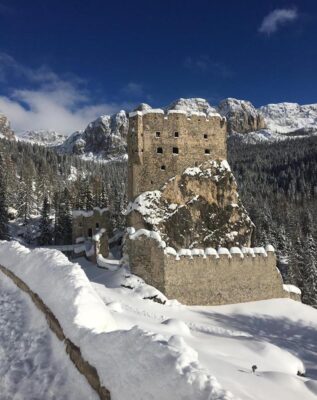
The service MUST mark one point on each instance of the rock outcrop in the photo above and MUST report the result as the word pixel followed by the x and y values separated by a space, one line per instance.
pixel 105 137
pixel 5 129
pixel 242 116
pixel 199 208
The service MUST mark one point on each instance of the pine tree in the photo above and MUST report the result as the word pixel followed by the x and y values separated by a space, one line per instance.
pixel 45 224
pixel 63 225
pixel 309 295
pixel 89 200
pixel 4 234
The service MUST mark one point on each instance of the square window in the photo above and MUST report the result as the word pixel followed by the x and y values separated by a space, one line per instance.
pixel 176 134
pixel 158 134
pixel 163 168
pixel 205 136
pixel 159 150
pixel 175 150
pixel 207 151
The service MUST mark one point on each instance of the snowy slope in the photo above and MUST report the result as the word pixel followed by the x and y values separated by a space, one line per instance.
pixel 171 351
pixel 34 364
pixel 42 137
pixel 289 117
pixel 279 336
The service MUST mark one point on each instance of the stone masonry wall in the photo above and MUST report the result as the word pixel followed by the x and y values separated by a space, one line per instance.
pixel 206 281
pixel 95 220
pixel 153 136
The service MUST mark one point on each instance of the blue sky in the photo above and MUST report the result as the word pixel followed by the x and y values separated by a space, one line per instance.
pixel 64 62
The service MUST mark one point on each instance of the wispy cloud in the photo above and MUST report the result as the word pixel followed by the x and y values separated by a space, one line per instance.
pixel 274 20
pixel 46 100
pixel 133 89
pixel 204 63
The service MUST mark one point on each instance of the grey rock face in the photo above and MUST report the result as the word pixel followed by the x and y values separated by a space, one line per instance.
pixel 199 208
pixel 105 137
pixel 242 116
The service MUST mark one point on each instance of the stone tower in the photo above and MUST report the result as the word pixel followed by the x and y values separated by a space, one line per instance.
pixel 162 145
pixel 188 232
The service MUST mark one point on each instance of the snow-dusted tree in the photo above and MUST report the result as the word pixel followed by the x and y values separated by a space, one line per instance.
pixel 4 235
pixel 63 225
pixel 89 200
pixel 45 223
pixel 309 289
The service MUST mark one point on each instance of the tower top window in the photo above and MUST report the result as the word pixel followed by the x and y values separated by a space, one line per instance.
pixel 176 134
pixel 175 150
pixel 159 150
pixel 158 134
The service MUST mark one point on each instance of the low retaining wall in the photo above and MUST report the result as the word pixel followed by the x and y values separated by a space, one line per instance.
pixel 72 350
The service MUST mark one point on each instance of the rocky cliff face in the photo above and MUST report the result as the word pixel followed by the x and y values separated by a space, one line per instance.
pixel 105 137
pixel 200 208
pixel 5 129
pixel 242 116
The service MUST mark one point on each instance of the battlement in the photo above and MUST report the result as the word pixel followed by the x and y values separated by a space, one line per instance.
pixel 163 144
pixel 205 276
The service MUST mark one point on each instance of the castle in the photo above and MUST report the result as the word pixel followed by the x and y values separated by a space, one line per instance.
pixel 188 232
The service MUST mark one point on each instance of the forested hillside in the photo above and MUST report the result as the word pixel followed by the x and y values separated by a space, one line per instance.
pixel 37 182
pixel 278 186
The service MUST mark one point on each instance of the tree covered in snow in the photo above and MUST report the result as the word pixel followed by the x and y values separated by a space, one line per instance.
pixel 45 223
pixel 3 203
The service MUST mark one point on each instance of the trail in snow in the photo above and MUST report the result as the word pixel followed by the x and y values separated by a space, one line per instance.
pixel 33 363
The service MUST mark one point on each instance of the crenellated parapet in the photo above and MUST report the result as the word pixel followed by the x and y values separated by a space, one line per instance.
pixel 205 276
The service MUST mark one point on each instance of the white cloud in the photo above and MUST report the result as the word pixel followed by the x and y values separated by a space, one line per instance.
pixel 275 19
pixel 53 103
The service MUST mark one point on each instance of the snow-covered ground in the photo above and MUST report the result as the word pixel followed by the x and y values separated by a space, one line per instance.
pixel 145 350
pixel 279 336
pixel 33 362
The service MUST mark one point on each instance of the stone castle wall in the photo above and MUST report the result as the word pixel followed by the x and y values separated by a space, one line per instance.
pixel 154 135
pixel 86 224
pixel 206 280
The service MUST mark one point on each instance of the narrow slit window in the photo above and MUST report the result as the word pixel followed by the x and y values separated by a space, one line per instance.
pixel 176 134
pixel 158 134
pixel 159 150
pixel 205 136
pixel 97 225
pixel 207 151
pixel 163 168
pixel 175 150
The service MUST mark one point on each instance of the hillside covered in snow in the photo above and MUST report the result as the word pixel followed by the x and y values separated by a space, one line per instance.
pixel 145 350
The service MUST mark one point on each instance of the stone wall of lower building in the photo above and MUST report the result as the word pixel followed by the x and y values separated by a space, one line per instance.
pixel 207 280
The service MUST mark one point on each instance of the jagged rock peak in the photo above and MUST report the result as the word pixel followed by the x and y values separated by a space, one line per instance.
pixel 194 104
pixel 5 128
pixel 242 116
pixel 143 107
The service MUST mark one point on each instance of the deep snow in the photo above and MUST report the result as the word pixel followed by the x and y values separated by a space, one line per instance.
pixel 172 351
pixel 33 362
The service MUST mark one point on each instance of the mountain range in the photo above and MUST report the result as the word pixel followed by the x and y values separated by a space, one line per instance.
pixel 105 138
